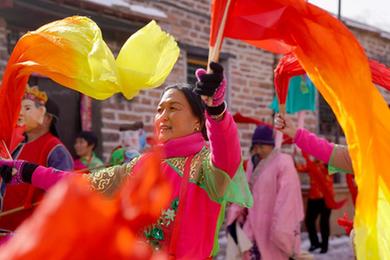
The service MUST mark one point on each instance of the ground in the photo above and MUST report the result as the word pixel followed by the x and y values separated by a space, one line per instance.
pixel 340 248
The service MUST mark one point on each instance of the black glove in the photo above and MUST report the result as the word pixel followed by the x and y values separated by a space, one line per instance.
pixel 24 171
pixel 207 84
pixel 212 85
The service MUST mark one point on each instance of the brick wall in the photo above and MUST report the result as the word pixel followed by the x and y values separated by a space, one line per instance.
pixel 3 45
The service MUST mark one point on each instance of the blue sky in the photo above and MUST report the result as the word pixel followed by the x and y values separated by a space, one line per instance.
pixel 372 12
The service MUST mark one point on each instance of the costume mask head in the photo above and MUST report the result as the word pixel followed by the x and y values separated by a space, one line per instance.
pixel 33 108
pixel 133 136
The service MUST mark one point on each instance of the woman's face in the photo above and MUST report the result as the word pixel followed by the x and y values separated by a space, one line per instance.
pixel 263 150
pixel 174 117
pixel 82 148
pixel 30 115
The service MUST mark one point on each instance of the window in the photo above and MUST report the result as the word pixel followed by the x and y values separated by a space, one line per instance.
pixel 328 124
pixel 193 63
pixel 13 36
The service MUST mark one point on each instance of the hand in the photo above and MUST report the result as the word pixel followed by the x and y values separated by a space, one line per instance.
pixel 16 171
pixel 211 85
pixel 246 255
pixel 10 169
pixel 242 217
pixel 285 125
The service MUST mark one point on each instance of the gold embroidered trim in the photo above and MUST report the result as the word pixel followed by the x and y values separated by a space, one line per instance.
pixel 130 165
pixel 177 163
pixel 196 171
pixel 108 180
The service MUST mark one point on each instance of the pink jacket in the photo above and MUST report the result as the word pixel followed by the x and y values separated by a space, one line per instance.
pixel 205 202
pixel 275 218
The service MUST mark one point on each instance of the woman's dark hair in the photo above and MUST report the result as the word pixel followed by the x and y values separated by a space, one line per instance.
pixel 90 137
pixel 196 104
pixel 53 110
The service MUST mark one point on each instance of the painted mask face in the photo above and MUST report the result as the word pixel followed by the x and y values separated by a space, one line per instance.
pixel 31 115
pixel 20 121
pixel 131 139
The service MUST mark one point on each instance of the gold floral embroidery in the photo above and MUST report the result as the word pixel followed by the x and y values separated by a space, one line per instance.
pixel 108 180
pixel 130 165
pixel 196 170
pixel 177 163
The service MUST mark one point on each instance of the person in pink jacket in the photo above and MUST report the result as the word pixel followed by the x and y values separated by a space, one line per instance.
pixel 203 177
pixel 336 156
pixel 274 221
